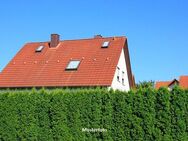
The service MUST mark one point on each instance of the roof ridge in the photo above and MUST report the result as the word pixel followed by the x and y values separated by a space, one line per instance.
pixel 83 39
pixel 96 38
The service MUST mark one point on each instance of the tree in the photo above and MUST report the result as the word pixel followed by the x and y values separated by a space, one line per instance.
pixel 145 84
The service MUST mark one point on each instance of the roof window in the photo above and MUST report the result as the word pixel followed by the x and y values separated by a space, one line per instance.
pixel 105 44
pixel 39 49
pixel 118 71
pixel 73 65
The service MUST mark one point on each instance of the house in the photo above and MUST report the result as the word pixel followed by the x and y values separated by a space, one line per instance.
pixel 92 62
pixel 182 82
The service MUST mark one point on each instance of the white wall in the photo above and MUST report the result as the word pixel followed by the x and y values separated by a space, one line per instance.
pixel 118 84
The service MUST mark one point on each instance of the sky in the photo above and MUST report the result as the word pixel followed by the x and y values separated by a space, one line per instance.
pixel 157 30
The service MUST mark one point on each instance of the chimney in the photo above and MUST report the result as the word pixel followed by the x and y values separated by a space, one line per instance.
pixel 98 36
pixel 54 40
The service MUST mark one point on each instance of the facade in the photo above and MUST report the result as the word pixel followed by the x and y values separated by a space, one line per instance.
pixel 92 62
pixel 182 82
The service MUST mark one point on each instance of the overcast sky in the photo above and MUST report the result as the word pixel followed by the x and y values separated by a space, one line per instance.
pixel 157 30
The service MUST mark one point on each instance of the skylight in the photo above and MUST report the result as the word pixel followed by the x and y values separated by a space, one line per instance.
pixel 73 65
pixel 39 49
pixel 105 44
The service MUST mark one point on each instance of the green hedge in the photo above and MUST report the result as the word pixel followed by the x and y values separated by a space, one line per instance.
pixel 139 115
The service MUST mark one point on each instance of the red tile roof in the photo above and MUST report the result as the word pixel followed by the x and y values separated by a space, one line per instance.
pixel 183 81
pixel 47 68
pixel 159 84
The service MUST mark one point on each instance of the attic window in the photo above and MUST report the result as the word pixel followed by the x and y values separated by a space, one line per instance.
pixel 73 65
pixel 123 80
pixel 118 71
pixel 105 44
pixel 39 49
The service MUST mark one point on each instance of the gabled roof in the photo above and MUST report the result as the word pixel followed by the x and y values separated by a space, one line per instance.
pixel 183 81
pixel 47 68
pixel 166 83
pixel 173 82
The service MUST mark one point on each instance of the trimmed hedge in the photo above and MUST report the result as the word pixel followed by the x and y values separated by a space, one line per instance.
pixel 143 114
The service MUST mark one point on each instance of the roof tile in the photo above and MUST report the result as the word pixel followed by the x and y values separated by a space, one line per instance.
pixel 183 81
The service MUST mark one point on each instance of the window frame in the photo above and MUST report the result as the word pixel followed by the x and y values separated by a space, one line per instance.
pixel 73 68
pixel 105 44
pixel 39 48
pixel 123 77
pixel 118 74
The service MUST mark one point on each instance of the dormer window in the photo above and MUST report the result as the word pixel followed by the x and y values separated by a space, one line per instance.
pixel 39 49
pixel 73 65
pixel 105 44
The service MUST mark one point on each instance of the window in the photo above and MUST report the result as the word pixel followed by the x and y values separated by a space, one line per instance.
pixel 123 80
pixel 118 73
pixel 73 65
pixel 105 44
pixel 39 49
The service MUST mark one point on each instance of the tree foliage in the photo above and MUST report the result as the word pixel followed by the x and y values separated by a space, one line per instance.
pixel 145 84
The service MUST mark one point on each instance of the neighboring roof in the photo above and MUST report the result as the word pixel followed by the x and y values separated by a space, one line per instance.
pixel 47 68
pixel 183 81
pixel 159 84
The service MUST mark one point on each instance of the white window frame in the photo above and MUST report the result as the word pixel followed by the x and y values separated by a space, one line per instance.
pixel 105 44
pixel 39 49
pixel 123 77
pixel 118 74
pixel 73 65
